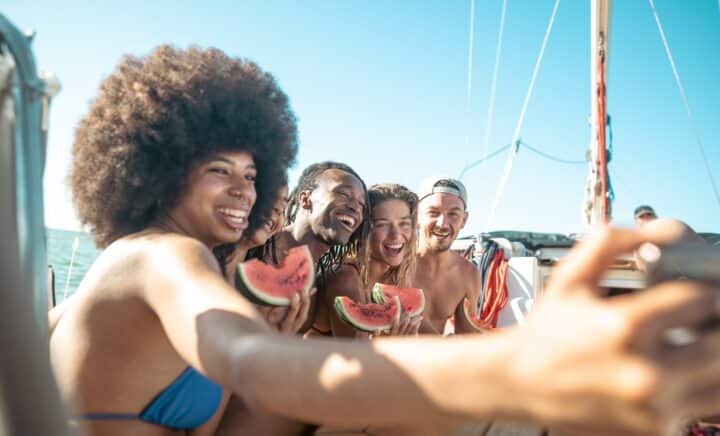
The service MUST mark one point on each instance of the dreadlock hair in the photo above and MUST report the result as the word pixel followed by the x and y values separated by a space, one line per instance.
pixel 332 260
pixel 401 275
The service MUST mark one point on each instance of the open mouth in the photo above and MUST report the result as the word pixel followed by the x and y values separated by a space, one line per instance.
pixel 347 221
pixel 236 219
pixel 394 249
pixel 441 234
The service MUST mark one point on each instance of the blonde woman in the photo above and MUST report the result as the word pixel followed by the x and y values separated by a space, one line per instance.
pixel 387 256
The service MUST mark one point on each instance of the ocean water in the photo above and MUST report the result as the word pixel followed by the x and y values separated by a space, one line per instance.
pixel 69 268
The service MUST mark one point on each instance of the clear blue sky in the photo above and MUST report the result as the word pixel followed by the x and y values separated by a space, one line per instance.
pixel 382 86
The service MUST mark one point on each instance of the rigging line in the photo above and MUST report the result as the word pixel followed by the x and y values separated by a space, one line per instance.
pixel 686 103
pixel 493 86
pixel 468 96
pixel 551 157
pixel 516 135
pixel 482 159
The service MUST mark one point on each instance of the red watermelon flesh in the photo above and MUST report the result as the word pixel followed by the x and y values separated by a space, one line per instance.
pixel 412 300
pixel 275 285
pixel 369 317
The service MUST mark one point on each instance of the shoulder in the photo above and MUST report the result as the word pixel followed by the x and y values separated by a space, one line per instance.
pixel 167 249
pixel 346 281
pixel 467 272
pixel 151 257
pixel 464 267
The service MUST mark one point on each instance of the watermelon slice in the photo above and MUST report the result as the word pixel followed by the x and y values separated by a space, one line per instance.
pixel 470 318
pixel 369 317
pixel 412 300
pixel 274 285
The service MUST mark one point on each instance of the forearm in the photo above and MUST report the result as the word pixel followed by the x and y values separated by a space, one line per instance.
pixel 392 381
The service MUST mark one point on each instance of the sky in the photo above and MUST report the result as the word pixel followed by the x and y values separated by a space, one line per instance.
pixel 383 86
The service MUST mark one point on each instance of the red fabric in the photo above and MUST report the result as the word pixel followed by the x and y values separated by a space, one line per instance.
pixel 496 291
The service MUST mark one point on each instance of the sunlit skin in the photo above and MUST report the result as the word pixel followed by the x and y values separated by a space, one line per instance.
pixel 390 236
pixel 283 319
pixel 390 239
pixel 216 205
pixel 238 419
pixel 446 277
pixel 165 293
pixel 275 222
pixel 441 217
pixel 391 232
pixel 328 215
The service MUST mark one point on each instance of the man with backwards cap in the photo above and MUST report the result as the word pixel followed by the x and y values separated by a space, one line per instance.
pixel 445 276
pixel 644 214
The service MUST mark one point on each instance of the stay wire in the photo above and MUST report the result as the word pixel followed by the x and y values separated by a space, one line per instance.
pixel 686 103
pixel 493 86
pixel 551 157
pixel 472 165
pixel 516 136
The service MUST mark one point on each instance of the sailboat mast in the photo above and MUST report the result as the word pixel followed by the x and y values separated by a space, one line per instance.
pixel 598 209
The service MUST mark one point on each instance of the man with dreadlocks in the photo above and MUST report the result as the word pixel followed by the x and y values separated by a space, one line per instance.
pixel 328 212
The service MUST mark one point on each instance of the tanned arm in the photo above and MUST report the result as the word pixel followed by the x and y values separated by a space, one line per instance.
pixel 546 371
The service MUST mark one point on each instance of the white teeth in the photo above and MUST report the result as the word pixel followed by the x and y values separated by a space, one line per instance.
pixel 395 246
pixel 347 220
pixel 235 213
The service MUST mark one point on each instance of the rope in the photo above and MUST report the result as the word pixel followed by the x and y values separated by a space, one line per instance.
pixel 516 136
pixel 481 160
pixel 496 292
pixel 685 102
pixel 551 157
pixel 493 86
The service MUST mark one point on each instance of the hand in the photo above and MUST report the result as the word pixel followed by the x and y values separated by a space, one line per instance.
pixel 605 366
pixel 289 319
pixel 405 326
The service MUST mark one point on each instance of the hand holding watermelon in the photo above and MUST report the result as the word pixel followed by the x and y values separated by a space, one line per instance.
pixel 275 285
pixel 289 319
pixel 407 325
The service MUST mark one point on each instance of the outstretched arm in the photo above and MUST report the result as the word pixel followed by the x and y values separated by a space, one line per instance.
pixel 581 361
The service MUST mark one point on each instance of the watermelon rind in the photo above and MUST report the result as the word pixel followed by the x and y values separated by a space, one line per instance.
pixel 340 309
pixel 469 317
pixel 377 296
pixel 256 295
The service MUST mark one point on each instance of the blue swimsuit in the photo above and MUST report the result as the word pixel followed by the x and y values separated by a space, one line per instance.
pixel 189 402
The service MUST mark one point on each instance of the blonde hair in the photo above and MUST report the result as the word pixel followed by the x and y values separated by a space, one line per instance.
pixel 401 275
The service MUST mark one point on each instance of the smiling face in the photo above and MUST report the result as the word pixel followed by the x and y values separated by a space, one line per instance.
pixel 275 222
pixel 392 231
pixel 217 201
pixel 335 206
pixel 441 218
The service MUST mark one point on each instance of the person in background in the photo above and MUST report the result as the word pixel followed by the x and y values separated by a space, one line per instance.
pixel 644 214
